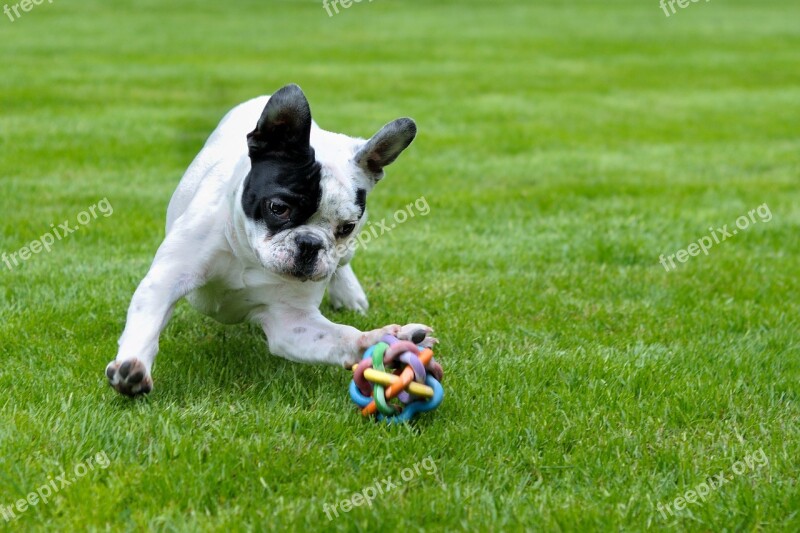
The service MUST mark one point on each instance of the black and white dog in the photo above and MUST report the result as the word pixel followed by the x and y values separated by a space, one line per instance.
pixel 258 227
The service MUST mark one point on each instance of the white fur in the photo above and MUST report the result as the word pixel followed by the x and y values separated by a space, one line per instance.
pixel 230 269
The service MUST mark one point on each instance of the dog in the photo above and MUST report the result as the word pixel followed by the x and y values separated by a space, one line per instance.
pixel 262 222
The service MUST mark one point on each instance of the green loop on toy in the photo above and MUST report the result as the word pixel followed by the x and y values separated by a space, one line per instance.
pixel 378 390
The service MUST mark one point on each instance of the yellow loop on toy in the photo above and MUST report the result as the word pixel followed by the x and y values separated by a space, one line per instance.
pixel 387 380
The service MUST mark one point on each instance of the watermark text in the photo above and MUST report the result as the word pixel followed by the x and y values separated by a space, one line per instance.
pixel 53 486
pixel 701 491
pixel 380 488
pixel 715 237
pixel 46 241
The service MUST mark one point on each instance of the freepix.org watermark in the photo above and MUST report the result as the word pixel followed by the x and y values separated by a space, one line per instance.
pixel 683 4
pixel 46 241
pixel 373 231
pixel 13 11
pixel 716 236
pixel 380 488
pixel 332 6
pixel 53 486
pixel 698 494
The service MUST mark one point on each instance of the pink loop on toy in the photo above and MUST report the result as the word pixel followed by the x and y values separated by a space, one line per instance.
pixel 435 369
pixel 364 386
pixel 398 348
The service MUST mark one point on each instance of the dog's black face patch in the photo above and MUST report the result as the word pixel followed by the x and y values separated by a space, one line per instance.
pixel 282 189
pixel 282 194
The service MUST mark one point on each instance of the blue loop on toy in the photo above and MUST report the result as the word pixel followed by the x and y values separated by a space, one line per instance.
pixel 410 410
pixel 422 406
pixel 358 398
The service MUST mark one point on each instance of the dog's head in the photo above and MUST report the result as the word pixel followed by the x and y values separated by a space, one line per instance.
pixel 305 204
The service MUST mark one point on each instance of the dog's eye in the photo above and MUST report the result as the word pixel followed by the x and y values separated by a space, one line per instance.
pixel 346 229
pixel 280 210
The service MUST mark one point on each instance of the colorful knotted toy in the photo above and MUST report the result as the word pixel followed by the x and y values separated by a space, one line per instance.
pixel 414 381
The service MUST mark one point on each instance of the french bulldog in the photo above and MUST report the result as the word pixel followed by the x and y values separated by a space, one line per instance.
pixel 260 225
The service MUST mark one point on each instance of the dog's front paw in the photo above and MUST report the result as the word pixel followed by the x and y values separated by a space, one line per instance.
pixel 416 333
pixel 419 334
pixel 368 338
pixel 130 378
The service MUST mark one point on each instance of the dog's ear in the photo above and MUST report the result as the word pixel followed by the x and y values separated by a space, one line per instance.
pixel 284 126
pixel 386 145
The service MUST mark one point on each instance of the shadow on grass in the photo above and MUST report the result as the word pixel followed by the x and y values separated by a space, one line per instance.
pixel 200 358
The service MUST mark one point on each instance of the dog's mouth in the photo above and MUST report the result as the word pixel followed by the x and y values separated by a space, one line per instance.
pixel 310 265
pixel 305 277
pixel 290 267
pixel 305 273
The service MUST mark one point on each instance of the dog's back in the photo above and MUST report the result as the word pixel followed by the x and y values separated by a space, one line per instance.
pixel 223 158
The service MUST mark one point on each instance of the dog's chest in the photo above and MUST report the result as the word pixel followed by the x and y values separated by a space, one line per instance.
pixel 235 293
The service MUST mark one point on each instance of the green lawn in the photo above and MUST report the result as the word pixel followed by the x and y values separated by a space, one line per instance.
pixel 563 147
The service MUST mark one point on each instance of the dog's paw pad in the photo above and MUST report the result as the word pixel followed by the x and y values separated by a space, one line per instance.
pixel 130 378
pixel 419 336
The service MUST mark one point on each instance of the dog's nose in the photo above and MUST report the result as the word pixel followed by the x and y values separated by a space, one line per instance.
pixel 308 247
pixel 307 243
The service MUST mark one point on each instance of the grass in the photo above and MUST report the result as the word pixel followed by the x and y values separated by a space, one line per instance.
pixel 563 148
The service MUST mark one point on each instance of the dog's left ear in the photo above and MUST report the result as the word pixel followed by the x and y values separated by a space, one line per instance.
pixel 284 126
pixel 385 146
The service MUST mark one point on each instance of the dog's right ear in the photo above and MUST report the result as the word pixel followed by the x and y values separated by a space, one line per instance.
pixel 284 126
pixel 385 146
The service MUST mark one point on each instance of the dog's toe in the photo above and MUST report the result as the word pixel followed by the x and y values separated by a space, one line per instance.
pixel 428 342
